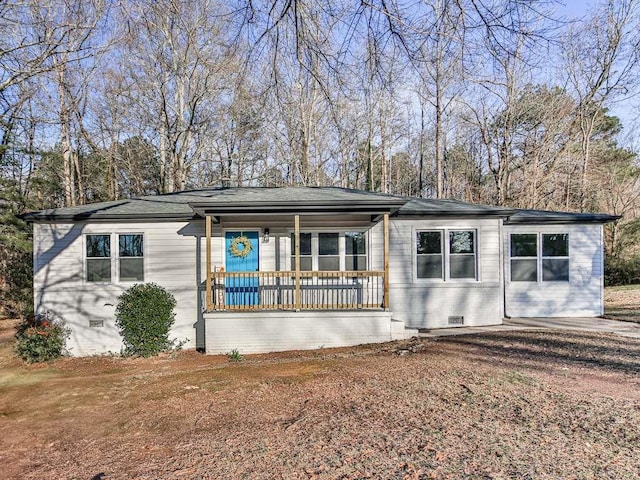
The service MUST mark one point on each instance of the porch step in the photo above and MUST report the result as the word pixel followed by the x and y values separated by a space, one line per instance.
pixel 400 332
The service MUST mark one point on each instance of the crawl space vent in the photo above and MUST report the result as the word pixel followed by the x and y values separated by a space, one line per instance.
pixel 96 323
pixel 456 320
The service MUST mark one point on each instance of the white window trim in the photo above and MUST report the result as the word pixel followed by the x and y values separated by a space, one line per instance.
pixel 542 258
pixel 342 250
pixel 539 258
pixel 114 258
pixel 85 257
pixel 144 258
pixel 446 247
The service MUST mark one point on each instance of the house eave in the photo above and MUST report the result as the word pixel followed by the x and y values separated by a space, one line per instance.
pixel 595 219
pixel 34 218
pixel 498 214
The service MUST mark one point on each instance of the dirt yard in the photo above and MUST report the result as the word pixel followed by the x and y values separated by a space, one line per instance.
pixel 623 303
pixel 500 406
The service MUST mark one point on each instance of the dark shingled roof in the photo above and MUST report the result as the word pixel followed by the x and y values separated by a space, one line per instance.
pixel 544 216
pixel 429 206
pixel 187 205
pixel 183 205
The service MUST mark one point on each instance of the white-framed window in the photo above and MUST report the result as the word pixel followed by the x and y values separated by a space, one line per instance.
pixel 330 251
pixel 538 257
pixel 429 254
pixel 104 263
pixel 306 257
pixel 524 257
pixel 355 251
pixel 131 257
pixel 462 254
pixel 446 254
pixel 555 257
pixel 98 257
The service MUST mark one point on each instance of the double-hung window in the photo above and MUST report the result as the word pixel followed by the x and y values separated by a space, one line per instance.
pixel 555 257
pixel 524 257
pixel 355 251
pixel 98 258
pixel 131 257
pixel 429 257
pixel 306 258
pixel 462 254
pixel 330 251
pixel 446 254
pixel 100 263
pixel 539 257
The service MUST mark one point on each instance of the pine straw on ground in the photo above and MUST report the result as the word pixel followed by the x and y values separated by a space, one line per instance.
pixel 518 405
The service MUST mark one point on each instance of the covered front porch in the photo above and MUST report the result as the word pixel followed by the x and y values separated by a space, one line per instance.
pixel 241 283
pixel 297 274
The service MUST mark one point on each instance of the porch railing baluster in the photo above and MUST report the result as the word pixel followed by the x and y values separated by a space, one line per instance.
pixel 242 291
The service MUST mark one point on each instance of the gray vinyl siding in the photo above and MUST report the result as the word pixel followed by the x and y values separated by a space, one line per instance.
pixel 581 296
pixel 422 303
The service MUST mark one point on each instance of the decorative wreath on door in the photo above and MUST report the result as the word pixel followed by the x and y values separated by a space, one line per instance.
pixel 235 248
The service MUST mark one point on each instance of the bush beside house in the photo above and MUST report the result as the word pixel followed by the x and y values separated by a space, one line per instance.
pixel 144 316
pixel 39 339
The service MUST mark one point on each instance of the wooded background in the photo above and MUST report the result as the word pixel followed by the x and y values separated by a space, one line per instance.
pixel 503 102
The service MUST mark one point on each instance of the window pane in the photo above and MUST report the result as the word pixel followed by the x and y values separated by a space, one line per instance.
pixel 524 245
pixel 355 243
pixel 462 266
pixel 328 263
pixel 328 244
pixel 356 262
pixel 555 270
pixel 555 245
pixel 130 245
pixel 98 245
pixel 461 242
pixel 429 266
pixel 429 242
pixel 131 269
pixel 98 270
pixel 305 263
pixel 305 244
pixel 524 270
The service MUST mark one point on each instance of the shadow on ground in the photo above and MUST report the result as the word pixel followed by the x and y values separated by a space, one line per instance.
pixel 602 351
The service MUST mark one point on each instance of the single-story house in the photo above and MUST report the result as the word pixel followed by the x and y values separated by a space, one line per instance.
pixel 268 269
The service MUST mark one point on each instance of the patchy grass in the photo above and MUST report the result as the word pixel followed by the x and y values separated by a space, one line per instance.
pixel 511 405
pixel 622 303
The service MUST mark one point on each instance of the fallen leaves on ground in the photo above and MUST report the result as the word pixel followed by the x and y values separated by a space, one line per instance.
pixel 518 405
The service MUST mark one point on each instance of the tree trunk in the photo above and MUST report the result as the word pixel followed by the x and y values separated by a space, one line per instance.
pixel 421 153
pixel 65 137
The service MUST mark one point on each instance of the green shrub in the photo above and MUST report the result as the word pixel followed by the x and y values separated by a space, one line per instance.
pixel 622 271
pixel 39 339
pixel 144 316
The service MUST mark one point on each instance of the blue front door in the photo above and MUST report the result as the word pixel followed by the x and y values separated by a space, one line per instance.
pixel 241 255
